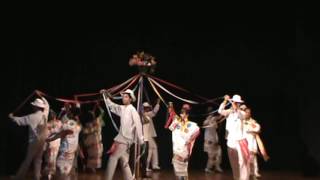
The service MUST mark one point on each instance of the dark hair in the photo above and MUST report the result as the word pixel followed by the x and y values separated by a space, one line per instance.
pixel 87 116
pixel 52 115
pixel 75 110
pixel 185 110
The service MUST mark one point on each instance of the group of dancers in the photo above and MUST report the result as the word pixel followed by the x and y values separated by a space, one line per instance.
pixel 55 138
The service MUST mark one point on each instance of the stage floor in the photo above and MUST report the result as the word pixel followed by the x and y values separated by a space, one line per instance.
pixel 197 175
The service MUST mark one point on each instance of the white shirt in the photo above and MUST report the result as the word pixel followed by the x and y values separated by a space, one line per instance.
pixel 234 125
pixel 130 122
pixel 250 128
pixel 183 140
pixel 34 120
pixel 148 128
pixel 210 133
pixel 69 144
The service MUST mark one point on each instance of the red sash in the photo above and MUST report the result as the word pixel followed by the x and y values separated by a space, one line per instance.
pixel 244 149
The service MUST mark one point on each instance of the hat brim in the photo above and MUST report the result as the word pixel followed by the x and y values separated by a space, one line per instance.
pixel 237 101
pixel 131 95
pixel 38 105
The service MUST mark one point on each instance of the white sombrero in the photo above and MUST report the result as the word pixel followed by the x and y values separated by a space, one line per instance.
pixel 237 98
pixel 38 103
pixel 146 104
pixel 131 94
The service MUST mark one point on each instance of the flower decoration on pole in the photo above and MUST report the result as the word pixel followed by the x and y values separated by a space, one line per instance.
pixel 146 62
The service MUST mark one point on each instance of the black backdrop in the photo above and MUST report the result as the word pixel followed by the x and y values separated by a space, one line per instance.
pixel 270 64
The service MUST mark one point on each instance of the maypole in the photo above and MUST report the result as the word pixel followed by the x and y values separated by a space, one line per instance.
pixel 146 64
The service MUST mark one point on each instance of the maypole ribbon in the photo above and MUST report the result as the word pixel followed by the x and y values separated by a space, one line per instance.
pixel 122 84
pixel 262 148
pixel 67 100
pixel 177 87
pixel 110 89
pixel 86 95
pixel 212 112
pixel 115 88
pixel 139 96
pixel 213 100
pixel 74 101
pixel 135 88
pixel 120 97
pixel 58 99
pixel 24 102
pixel 109 113
pixel 156 91
pixel 218 122
pixel 146 94
pixel 130 84
pixel 167 91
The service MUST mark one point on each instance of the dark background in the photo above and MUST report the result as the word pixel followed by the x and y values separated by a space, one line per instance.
pixel 270 63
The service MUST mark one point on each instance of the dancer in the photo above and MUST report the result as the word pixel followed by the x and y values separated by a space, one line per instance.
pixel 211 142
pixel 237 145
pixel 150 135
pixel 38 132
pixel 130 127
pixel 184 134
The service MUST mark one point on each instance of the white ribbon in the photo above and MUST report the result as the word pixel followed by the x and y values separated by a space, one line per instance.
pixel 167 91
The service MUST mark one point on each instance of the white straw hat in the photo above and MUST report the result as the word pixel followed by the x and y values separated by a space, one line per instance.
pixel 146 104
pixel 131 94
pixel 38 103
pixel 236 98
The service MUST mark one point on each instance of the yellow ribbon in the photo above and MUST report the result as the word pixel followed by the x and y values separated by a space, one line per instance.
pixel 262 148
pixel 185 123
pixel 156 91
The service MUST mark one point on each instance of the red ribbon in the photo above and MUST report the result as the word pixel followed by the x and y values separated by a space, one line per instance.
pixel 129 85
pixel 171 116
pixel 176 86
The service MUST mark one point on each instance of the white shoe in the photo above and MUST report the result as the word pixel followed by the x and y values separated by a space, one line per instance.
pixel 257 175
pixel 156 168
pixel 148 170
pixel 207 170
pixel 218 169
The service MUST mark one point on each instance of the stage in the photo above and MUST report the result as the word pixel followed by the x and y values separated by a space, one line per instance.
pixel 271 63
pixel 197 175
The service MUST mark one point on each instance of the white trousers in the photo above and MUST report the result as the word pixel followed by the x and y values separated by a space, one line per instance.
pixel 121 153
pixel 152 154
